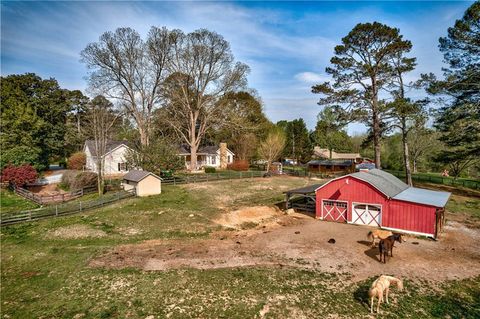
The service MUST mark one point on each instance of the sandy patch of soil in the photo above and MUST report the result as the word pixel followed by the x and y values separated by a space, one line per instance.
pixel 297 240
pixel 46 190
pixel 255 214
pixel 75 232
pixel 129 231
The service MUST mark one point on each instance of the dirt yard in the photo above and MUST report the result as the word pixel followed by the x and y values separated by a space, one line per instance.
pixel 275 239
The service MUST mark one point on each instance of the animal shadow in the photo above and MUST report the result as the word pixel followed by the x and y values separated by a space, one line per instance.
pixel 361 293
pixel 364 242
pixel 372 253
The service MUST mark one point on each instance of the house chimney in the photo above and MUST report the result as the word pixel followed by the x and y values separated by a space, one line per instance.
pixel 223 156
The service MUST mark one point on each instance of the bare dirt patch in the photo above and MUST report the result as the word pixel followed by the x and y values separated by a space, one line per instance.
pixel 47 190
pixel 76 232
pixel 300 241
pixel 256 214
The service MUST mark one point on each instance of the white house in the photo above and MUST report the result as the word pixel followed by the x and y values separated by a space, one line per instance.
pixel 115 163
pixel 208 156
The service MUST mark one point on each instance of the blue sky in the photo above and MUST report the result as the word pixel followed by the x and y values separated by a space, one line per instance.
pixel 286 44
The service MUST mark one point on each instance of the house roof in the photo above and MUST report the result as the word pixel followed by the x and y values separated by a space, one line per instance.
pixel 394 188
pixel 202 150
pixel 331 162
pixel 424 196
pixel 111 145
pixel 325 153
pixel 137 176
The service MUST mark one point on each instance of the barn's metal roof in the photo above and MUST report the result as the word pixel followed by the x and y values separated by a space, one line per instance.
pixel 383 181
pixel 424 196
pixel 137 176
pixel 304 190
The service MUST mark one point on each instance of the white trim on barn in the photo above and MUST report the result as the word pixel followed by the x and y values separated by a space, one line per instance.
pixel 410 232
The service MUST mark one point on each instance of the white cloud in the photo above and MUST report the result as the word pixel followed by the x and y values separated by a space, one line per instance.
pixel 311 77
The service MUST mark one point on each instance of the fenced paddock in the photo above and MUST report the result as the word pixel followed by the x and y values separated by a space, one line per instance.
pixel 63 209
pixel 226 175
pixel 450 181
pixel 199 178
pixel 50 199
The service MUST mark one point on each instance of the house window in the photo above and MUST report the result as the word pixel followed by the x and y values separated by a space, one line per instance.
pixel 229 160
pixel 122 167
pixel 213 160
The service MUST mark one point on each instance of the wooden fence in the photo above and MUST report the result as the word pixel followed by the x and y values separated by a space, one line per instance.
pixel 63 209
pixel 51 199
pixel 226 175
pixel 426 178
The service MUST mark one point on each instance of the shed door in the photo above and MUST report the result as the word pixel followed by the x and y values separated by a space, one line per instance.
pixel 365 214
pixel 335 211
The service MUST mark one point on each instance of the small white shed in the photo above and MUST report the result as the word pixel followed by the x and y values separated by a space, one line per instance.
pixel 144 183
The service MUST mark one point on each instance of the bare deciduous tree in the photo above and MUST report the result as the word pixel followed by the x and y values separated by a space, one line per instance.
pixel 202 70
pixel 272 147
pixel 100 119
pixel 130 70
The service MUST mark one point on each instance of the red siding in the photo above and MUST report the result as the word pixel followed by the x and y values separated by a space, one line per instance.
pixel 410 216
pixel 395 214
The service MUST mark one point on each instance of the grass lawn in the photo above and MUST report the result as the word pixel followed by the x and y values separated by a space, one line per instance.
pixel 11 202
pixel 46 275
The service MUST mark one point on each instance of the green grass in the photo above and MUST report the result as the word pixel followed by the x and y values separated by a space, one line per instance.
pixel 469 206
pixel 11 202
pixel 44 276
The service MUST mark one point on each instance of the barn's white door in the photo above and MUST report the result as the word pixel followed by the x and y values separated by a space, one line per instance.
pixel 365 214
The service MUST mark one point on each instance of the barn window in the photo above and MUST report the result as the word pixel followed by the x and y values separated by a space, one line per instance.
pixel 122 167
pixel 333 203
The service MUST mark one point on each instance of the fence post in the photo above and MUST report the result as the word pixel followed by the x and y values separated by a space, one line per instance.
pixel 174 181
pixel 56 210
pixel 240 174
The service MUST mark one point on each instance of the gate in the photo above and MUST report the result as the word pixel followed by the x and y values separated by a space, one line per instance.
pixel 365 214
pixel 335 211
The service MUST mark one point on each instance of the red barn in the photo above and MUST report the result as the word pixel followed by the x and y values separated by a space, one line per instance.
pixel 377 198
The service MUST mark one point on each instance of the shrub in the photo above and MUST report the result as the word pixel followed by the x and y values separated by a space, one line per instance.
pixel 239 165
pixel 19 175
pixel 74 180
pixel 77 161
pixel 209 169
